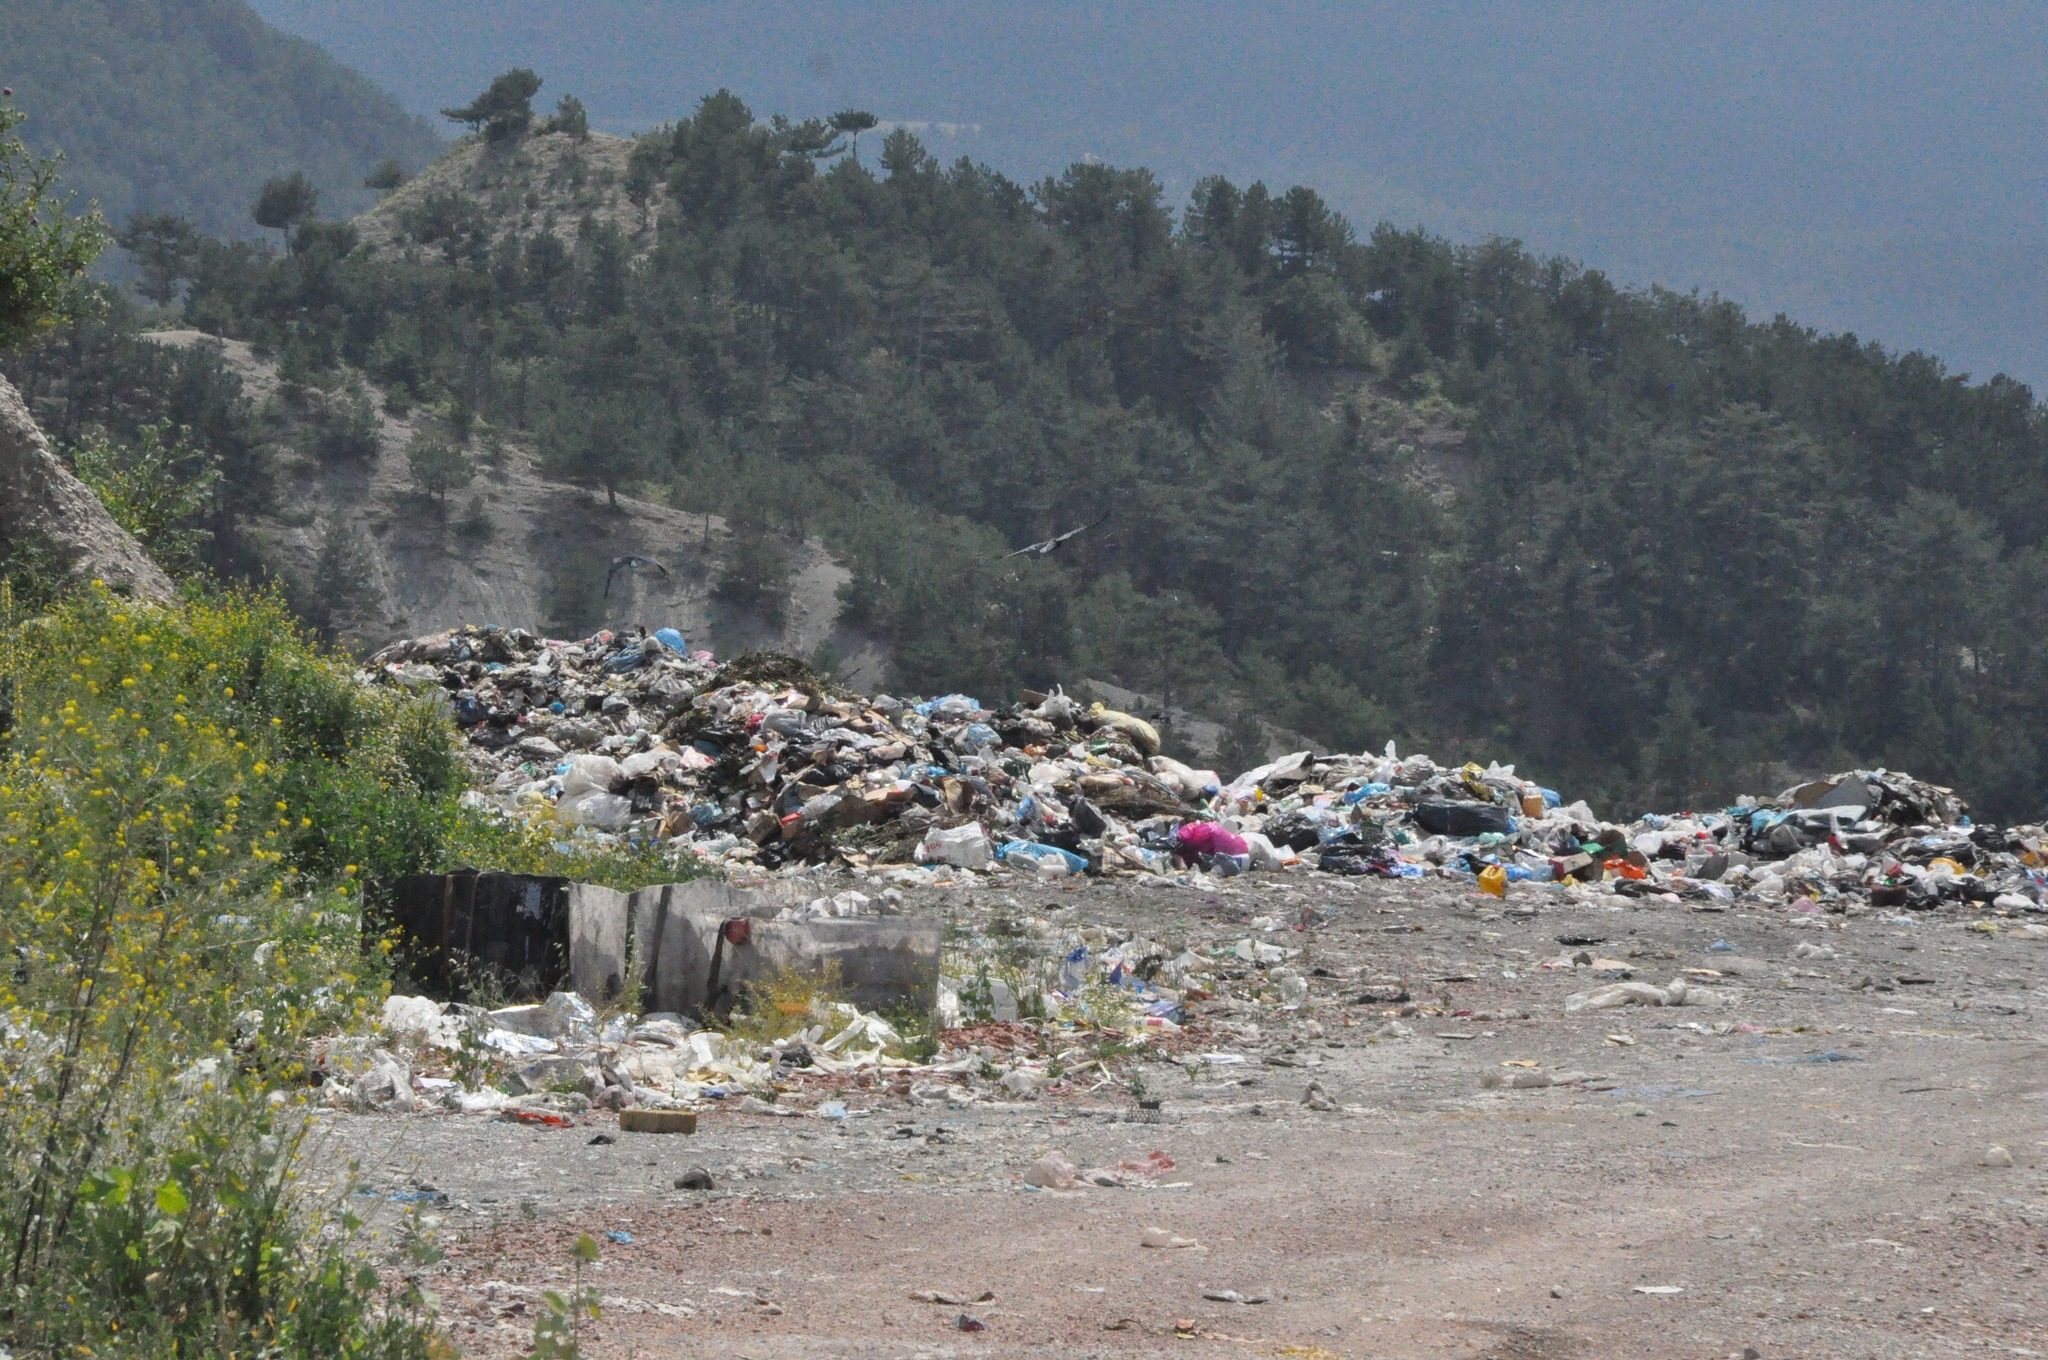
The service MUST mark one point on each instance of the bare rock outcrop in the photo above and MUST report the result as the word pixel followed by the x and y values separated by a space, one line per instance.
pixel 41 501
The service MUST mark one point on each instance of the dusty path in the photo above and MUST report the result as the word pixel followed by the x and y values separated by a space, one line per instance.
pixel 1809 1179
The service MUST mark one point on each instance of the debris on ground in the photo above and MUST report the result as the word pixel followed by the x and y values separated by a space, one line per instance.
pixel 558 1057
pixel 754 764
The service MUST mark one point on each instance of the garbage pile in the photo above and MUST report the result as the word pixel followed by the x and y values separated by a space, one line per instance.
pixel 755 765
pixel 559 1058
pixel 1874 837
pixel 549 1062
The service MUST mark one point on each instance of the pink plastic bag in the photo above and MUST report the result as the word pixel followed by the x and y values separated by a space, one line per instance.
pixel 1207 838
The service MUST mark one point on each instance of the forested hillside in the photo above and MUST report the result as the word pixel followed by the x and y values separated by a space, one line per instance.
pixel 186 106
pixel 1364 486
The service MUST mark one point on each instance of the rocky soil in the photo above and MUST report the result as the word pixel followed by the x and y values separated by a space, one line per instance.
pixel 1804 1169
pixel 43 504
pixel 426 574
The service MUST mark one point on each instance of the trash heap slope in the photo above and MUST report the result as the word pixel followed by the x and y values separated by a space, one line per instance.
pixel 754 766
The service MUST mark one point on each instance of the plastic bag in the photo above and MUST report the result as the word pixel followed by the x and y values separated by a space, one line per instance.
pixel 599 811
pixel 1210 838
pixel 590 774
pixel 1264 854
pixel 951 708
pixel 964 847
pixel 1046 859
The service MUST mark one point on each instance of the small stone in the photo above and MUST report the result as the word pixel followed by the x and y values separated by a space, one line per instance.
pixel 1995 1156
pixel 696 1178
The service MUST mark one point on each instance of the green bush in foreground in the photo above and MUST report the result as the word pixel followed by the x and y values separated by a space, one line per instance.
pixel 190 796
pixel 487 839
pixel 174 934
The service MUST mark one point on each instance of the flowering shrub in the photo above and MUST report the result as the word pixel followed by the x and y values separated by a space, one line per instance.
pixel 490 837
pixel 176 784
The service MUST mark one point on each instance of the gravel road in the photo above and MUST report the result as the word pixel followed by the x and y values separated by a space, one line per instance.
pixel 1798 1170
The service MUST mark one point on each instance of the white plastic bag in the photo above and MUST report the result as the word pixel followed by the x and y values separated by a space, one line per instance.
pixel 590 774
pixel 963 847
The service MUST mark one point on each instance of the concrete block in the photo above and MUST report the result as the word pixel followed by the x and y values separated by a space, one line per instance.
pixel 883 963
pixel 657 1121
pixel 547 934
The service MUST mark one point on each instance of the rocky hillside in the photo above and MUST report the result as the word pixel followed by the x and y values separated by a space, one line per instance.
pixel 486 192
pixel 1276 467
pixel 512 546
pixel 50 519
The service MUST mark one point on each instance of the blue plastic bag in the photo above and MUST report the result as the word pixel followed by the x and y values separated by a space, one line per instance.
pixel 1035 853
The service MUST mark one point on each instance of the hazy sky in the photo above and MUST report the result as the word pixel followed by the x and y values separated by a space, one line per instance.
pixel 1876 167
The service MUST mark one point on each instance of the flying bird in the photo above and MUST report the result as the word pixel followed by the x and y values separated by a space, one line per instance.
pixel 627 563
pixel 1041 549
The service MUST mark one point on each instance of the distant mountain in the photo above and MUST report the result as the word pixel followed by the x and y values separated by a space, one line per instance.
pixel 1875 167
pixel 188 105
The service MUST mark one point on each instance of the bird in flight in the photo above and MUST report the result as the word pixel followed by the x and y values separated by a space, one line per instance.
pixel 627 563
pixel 1041 549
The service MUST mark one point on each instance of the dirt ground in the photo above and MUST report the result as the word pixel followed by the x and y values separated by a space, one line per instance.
pixel 1798 1173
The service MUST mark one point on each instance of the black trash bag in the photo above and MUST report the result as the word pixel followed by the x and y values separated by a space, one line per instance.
pixel 1445 818
pixel 1355 855
pixel 1294 831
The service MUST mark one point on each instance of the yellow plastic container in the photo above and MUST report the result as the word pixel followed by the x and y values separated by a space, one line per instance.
pixel 1493 881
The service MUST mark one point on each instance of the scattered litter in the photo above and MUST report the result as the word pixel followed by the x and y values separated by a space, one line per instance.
pixel 1051 1172
pixel 755 765
pixel 1830 1056
pixel 1678 993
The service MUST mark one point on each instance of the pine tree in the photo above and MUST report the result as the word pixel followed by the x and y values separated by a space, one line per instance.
pixel 286 201
pixel 438 466
pixel 504 110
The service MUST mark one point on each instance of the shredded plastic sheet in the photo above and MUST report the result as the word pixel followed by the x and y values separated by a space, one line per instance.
pixel 663 1061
